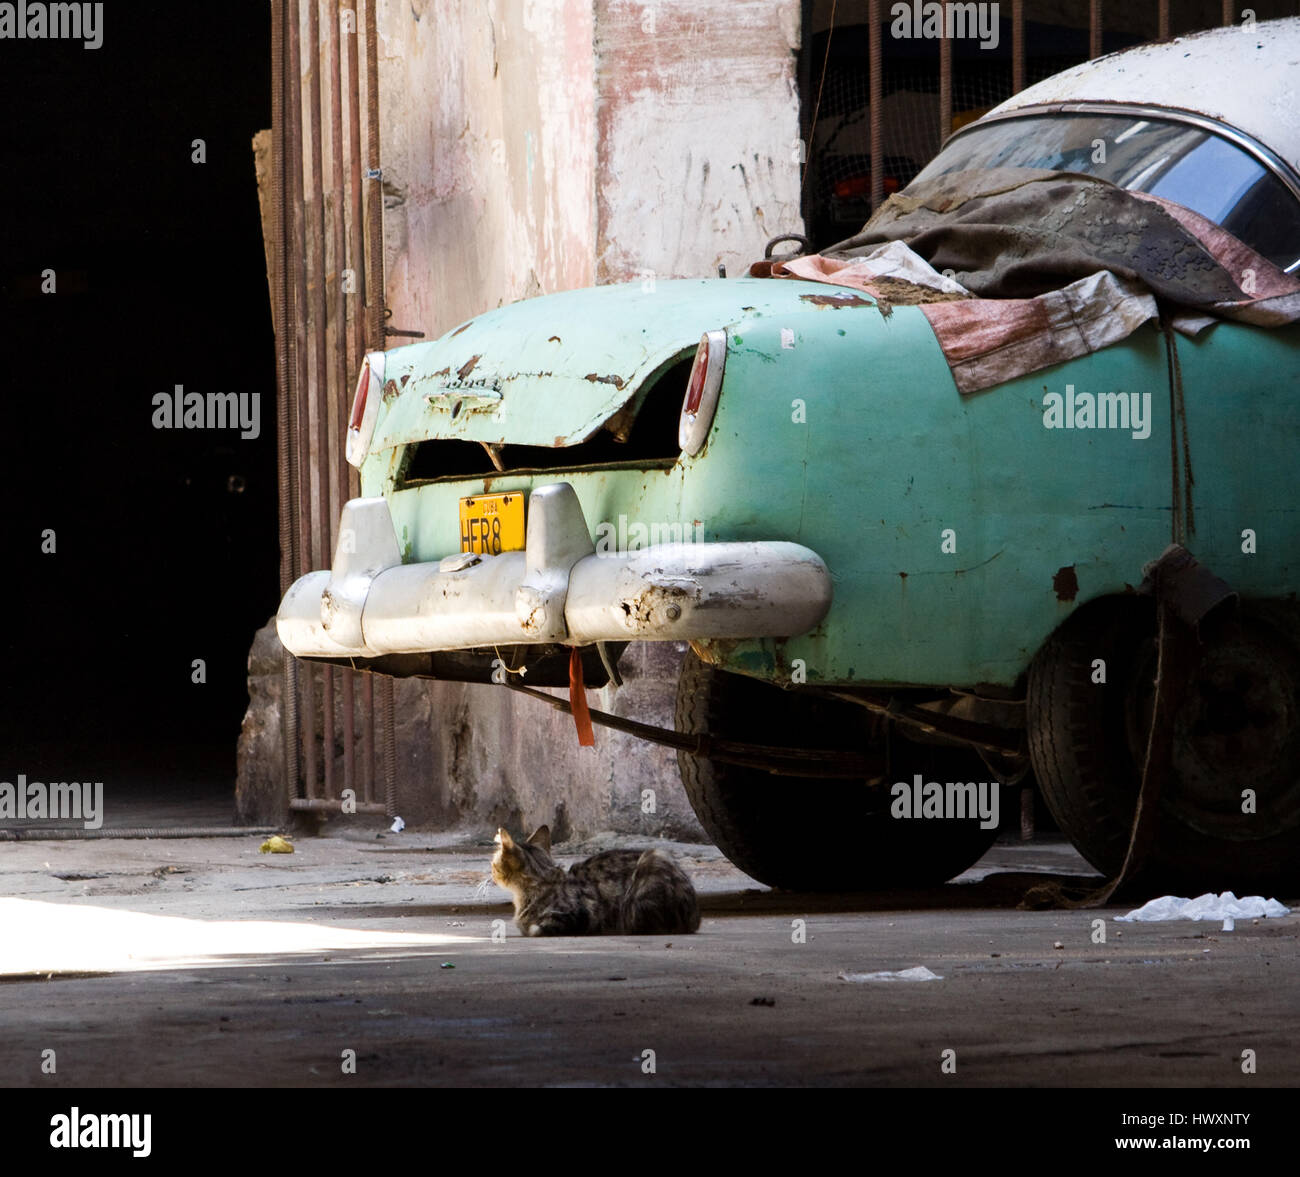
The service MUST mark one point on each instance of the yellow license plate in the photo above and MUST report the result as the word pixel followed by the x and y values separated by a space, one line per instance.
pixel 492 524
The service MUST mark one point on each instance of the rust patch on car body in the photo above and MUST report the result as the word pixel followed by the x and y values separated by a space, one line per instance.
pixel 616 381
pixel 1066 584
pixel 836 300
pixel 554 339
pixel 462 327
pixel 467 367
pixel 654 605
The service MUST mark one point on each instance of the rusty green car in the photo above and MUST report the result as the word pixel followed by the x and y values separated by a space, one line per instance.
pixel 904 536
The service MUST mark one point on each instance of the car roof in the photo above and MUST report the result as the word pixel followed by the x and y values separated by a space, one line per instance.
pixel 1247 77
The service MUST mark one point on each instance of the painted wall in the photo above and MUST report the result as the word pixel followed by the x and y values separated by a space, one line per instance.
pixel 487 141
pixel 530 146
pixel 697 134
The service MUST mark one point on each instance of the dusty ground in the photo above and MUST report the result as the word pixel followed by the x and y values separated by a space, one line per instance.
pixel 202 961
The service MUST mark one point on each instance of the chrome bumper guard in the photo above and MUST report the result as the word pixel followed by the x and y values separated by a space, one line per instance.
pixel 559 589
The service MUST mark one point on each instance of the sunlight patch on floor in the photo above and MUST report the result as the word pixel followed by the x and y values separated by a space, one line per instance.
pixel 50 938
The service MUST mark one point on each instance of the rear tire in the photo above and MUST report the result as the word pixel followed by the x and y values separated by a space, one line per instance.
pixel 1238 729
pixel 807 833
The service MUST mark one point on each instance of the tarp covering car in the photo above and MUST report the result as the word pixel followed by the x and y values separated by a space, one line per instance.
pixel 1057 265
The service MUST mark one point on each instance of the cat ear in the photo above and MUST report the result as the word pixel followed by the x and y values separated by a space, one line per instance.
pixel 541 836
pixel 503 838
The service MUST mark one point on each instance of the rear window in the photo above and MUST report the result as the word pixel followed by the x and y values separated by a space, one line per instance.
pixel 1185 164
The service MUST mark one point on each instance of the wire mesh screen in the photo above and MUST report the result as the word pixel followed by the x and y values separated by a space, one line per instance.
pixel 911 134
pixel 838 178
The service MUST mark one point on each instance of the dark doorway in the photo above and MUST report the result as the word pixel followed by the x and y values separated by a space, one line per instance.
pixel 165 549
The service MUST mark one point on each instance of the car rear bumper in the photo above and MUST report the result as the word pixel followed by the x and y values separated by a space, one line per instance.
pixel 559 589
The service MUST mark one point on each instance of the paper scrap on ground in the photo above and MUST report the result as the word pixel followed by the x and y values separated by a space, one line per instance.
pixel 920 973
pixel 1206 907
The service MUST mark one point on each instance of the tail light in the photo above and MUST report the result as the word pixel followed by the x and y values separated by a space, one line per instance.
pixel 702 390
pixel 365 407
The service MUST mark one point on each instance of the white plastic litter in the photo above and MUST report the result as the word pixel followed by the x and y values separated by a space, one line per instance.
pixel 920 973
pixel 398 825
pixel 1206 907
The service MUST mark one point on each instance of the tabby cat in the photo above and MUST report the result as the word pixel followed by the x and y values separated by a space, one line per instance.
pixel 627 892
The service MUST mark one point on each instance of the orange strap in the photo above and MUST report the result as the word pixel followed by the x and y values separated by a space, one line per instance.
pixel 578 701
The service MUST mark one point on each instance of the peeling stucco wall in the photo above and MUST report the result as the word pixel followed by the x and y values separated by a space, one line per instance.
pixel 487 140
pixel 530 146
pixel 697 134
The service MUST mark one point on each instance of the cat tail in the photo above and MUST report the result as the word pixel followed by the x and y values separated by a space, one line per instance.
pixel 659 899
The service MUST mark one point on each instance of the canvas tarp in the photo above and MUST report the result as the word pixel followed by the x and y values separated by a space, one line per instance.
pixel 1019 269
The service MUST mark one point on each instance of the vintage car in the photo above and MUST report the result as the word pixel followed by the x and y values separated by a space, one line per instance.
pixel 899 497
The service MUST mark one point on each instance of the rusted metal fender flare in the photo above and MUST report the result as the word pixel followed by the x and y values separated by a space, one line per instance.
pixel 1181 582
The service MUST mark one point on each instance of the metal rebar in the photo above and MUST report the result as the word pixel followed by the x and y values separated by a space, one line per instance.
pixel 390 746
pixel 1017 46
pixel 368 738
pixel 375 328
pixel 375 193
pixel 302 447
pixel 875 92
pixel 338 337
pixel 286 498
pixel 356 238
pixel 280 298
pixel 289 721
pixel 357 256
pixel 945 88
pixel 1162 19
pixel 1094 28
pixel 319 328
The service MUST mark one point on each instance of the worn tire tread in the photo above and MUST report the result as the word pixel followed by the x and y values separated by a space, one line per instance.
pixel 799 833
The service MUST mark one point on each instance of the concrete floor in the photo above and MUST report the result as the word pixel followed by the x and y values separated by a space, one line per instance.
pixel 203 962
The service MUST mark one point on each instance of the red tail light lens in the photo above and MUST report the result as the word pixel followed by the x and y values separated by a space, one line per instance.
pixel 695 388
pixel 359 397
pixel 365 408
pixel 701 400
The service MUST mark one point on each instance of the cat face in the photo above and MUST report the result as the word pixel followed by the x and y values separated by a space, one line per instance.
pixel 516 864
